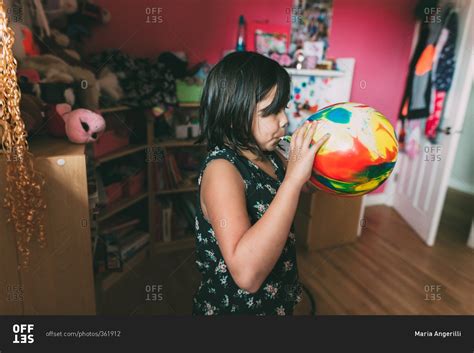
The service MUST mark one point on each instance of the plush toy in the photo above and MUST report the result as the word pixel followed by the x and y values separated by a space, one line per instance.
pixel 56 93
pixel 31 75
pixel 90 14
pixel 80 125
pixel 77 24
pixel 58 8
pixel 56 70
pixel 62 47
pixel 29 82
pixel 24 44
pixel 201 75
pixel 282 59
pixel 109 84
pixel 32 113
pixel 177 63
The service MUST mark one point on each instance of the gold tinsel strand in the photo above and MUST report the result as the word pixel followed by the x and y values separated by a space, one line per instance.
pixel 23 196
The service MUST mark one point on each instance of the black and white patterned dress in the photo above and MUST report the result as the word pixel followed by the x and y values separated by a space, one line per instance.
pixel 218 293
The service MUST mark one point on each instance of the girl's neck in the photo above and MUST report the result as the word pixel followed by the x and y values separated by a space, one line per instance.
pixel 253 157
pixel 249 155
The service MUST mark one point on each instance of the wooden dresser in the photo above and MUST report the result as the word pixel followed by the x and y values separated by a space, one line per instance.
pixel 60 277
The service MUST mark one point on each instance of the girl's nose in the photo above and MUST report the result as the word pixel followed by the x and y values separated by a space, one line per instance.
pixel 283 120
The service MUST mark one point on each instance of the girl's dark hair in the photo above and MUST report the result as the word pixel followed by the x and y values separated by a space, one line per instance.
pixel 231 93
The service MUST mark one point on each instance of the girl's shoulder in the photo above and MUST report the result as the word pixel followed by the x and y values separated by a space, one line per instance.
pixel 221 152
pixel 225 153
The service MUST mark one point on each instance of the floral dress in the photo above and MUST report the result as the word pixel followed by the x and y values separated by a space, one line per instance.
pixel 217 292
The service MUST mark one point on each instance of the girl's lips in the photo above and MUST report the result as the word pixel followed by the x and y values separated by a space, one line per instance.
pixel 279 138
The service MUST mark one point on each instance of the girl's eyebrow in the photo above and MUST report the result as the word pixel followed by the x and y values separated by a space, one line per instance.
pixel 264 108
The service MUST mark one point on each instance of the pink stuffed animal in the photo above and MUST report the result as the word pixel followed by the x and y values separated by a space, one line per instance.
pixel 80 125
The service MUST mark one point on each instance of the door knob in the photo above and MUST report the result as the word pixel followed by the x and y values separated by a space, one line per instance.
pixel 448 131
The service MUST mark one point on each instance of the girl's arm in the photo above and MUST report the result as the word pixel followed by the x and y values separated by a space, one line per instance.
pixel 251 251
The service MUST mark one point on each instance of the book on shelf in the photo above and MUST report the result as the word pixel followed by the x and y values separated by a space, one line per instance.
pixel 136 242
pixel 166 213
pixel 159 221
pixel 176 217
pixel 122 246
pixel 106 255
pixel 177 179
pixel 100 258
pixel 164 176
pixel 160 183
pixel 170 174
pixel 186 208
pixel 181 224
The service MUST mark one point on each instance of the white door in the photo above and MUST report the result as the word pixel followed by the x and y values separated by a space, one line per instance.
pixel 422 182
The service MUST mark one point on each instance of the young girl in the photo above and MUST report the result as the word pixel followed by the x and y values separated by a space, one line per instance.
pixel 245 241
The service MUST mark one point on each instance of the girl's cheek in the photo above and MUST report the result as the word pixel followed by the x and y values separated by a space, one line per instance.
pixel 276 126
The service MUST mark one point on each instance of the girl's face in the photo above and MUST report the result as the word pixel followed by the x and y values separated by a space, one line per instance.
pixel 267 130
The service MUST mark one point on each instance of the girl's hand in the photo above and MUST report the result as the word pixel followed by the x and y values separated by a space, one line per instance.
pixel 301 157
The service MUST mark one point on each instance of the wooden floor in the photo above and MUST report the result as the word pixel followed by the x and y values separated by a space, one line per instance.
pixel 389 270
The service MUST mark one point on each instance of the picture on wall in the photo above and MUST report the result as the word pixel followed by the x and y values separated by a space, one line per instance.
pixel 311 23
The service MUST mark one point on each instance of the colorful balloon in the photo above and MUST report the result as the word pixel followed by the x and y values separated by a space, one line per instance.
pixel 359 155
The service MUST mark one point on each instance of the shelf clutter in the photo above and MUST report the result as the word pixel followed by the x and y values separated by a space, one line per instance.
pixel 142 195
pixel 130 164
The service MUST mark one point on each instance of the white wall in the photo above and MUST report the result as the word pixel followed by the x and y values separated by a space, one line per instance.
pixel 462 177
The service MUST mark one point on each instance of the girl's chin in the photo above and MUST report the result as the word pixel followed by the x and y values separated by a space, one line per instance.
pixel 271 146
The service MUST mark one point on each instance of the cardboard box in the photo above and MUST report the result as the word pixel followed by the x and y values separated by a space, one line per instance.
pixel 323 220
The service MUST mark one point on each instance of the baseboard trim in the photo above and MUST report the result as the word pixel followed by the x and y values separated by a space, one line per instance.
pixel 461 186
pixel 470 240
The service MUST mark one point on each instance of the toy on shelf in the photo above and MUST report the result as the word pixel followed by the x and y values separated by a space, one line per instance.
pixel 79 125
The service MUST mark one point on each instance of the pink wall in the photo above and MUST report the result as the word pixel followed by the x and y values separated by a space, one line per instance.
pixel 201 28
pixel 378 34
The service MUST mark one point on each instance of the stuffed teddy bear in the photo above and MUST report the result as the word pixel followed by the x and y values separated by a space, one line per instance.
pixel 56 70
pixel 79 125
pixel 58 8
pixel 110 85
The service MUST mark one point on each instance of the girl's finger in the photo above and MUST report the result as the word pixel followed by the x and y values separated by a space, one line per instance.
pixel 316 147
pixel 309 135
pixel 300 133
pixel 294 136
